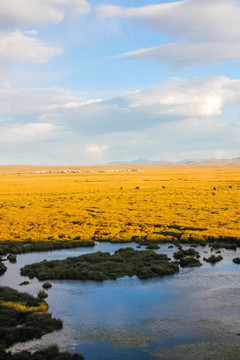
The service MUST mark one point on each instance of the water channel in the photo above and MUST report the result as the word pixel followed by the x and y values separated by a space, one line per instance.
pixel 190 315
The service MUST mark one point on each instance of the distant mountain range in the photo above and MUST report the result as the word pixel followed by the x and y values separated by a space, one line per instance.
pixel 185 161
pixel 138 161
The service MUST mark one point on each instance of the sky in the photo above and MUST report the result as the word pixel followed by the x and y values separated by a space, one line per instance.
pixel 92 82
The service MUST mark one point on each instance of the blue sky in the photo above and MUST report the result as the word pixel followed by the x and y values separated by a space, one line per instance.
pixel 91 82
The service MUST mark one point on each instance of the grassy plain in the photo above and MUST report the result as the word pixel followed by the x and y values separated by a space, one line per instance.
pixel 158 203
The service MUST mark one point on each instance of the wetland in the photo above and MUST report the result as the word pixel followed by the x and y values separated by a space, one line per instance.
pixel 193 313
pixel 133 265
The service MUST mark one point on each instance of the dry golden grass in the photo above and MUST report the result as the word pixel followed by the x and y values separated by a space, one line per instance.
pixel 107 206
pixel 22 306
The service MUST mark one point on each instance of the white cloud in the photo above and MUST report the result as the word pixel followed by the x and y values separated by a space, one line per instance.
pixel 25 13
pixel 18 42
pixel 172 100
pixel 26 133
pixel 15 47
pixel 190 19
pixel 203 31
pixel 30 32
pixel 175 119
pixel 96 151
pixel 177 140
pixel 187 54
pixel 34 103
pixel 180 98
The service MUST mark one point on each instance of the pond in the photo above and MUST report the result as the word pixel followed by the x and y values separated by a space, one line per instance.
pixel 190 315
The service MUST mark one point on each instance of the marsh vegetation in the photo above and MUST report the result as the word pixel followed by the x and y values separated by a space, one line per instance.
pixel 22 247
pixel 236 260
pixel 213 259
pixel 23 317
pixel 3 268
pixel 101 266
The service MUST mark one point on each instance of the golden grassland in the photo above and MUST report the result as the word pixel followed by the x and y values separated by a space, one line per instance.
pixel 22 306
pixel 153 204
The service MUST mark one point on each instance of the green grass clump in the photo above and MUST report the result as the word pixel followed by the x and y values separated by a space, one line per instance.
pixel 23 317
pixel 213 259
pixel 17 247
pixel 103 266
pixel 3 268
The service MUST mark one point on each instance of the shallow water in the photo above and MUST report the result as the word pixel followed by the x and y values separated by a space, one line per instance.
pixel 193 312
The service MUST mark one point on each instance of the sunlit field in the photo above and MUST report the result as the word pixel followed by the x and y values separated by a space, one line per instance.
pixel 162 203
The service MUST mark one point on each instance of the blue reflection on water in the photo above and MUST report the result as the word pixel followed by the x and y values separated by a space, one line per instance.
pixel 102 351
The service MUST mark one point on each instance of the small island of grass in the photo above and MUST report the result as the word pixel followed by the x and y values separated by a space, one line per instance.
pixel 213 259
pixel 3 268
pixel 24 318
pixel 103 266
pixel 188 258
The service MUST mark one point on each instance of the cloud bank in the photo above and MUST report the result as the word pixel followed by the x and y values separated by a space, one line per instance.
pixel 178 116
pixel 200 31
pixel 18 42
pixel 16 46
pixel 26 13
